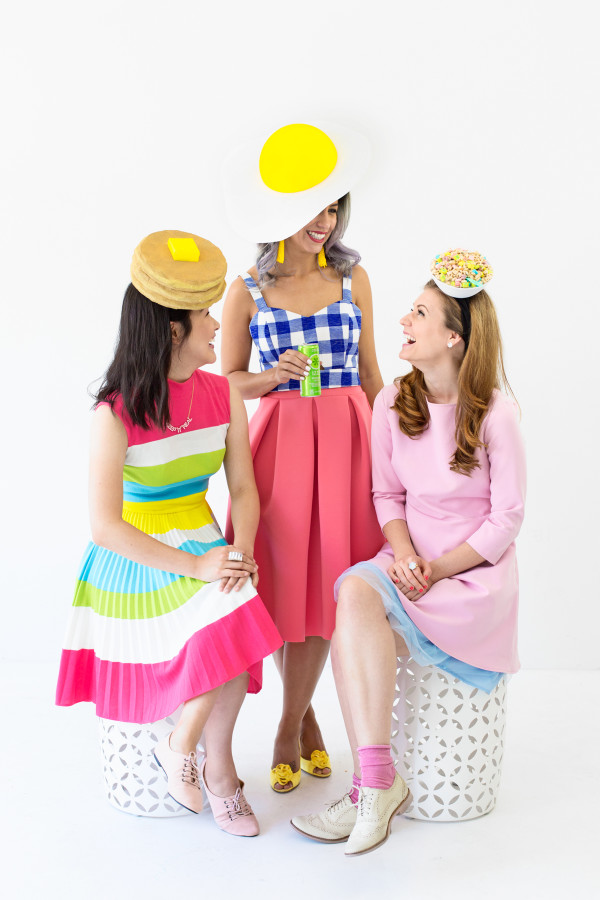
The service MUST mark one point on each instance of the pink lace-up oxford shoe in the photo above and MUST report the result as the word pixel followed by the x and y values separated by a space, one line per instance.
pixel 232 814
pixel 182 775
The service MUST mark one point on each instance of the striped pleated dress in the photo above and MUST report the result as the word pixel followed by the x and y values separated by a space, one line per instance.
pixel 141 641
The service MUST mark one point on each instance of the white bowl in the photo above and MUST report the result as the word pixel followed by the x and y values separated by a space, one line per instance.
pixel 452 291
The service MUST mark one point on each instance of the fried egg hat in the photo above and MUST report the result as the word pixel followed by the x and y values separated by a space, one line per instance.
pixel 179 270
pixel 275 184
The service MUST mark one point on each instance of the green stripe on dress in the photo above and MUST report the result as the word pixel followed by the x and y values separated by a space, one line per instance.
pixel 146 605
pixel 195 466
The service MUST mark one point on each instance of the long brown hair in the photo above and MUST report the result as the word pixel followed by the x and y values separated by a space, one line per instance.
pixel 481 370
pixel 142 359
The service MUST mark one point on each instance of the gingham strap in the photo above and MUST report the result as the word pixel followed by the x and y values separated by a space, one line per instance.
pixel 255 291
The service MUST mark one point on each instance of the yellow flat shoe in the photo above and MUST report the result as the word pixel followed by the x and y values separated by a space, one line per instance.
pixel 283 775
pixel 318 760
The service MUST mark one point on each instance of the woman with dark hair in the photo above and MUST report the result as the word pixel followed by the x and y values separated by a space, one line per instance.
pixel 448 486
pixel 311 454
pixel 165 611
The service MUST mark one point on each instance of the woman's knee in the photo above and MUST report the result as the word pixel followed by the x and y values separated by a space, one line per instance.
pixel 357 600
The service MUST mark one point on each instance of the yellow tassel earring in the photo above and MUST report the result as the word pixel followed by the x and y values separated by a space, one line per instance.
pixel 281 252
pixel 322 259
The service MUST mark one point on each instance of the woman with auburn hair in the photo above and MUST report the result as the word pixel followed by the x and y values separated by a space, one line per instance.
pixel 448 487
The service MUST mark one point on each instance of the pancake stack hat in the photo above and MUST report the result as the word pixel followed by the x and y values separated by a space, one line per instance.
pixel 461 273
pixel 179 270
pixel 275 184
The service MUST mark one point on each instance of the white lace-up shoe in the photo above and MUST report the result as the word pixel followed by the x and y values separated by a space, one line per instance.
pixel 376 809
pixel 332 826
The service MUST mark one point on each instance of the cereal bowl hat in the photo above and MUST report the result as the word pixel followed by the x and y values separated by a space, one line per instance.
pixel 274 184
pixel 461 273
pixel 179 270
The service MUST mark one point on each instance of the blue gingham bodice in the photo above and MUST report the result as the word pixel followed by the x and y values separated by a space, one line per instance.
pixel 335 328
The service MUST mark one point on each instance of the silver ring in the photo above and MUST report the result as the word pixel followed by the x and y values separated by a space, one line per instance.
pixel 235 556
pixel 412 566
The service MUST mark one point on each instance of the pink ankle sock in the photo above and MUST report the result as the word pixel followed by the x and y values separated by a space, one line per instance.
pixel 376 766
pixel 355 788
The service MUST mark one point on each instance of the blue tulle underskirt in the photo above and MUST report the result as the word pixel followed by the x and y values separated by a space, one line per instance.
pixel 421 649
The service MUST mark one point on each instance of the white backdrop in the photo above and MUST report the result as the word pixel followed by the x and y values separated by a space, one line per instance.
pixel 482 122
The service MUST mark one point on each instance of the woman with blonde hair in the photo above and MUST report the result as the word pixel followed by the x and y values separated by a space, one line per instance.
pixel 448 487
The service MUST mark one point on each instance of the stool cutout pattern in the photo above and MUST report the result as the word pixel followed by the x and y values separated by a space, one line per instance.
pixel 447 742
pixel 134 781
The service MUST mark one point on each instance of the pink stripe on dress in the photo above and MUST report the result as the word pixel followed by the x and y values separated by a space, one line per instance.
pixel 147 692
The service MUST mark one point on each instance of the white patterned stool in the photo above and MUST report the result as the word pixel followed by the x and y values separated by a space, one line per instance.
pixel 447 742
pixel 134 781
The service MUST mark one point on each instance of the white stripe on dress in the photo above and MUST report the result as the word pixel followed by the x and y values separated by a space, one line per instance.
pixel 151 640
pixel 168 449
pixel 207 534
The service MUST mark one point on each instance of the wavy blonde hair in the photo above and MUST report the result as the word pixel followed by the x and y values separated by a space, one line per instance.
pixel 481 370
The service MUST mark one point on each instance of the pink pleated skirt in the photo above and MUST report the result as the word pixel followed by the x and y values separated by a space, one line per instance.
pixel 312 464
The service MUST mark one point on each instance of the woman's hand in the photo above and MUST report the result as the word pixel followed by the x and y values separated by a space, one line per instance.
pixel 291 364
pixel 412 580
pixel 232 583
pixel 215 565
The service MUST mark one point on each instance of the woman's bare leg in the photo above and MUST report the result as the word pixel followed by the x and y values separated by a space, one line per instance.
pixel 310 733
pixel 300 665
pixel 366 654
pixel 192 721
pixel 220 768
pixel 344 703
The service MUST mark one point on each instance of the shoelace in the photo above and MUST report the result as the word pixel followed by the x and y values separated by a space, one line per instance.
pixel 190 769
pixel 365 802
pixel 238 805
pixel 337 803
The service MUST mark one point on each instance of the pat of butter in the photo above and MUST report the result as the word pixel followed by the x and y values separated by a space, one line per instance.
pixel 185 249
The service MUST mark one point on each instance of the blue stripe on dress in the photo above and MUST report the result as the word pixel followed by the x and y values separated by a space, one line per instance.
pixel 421 649
pixel 198 547
pixel 143 493
pixel 108 571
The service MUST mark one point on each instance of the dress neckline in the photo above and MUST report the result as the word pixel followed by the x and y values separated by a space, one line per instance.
pixel 299 315
pixel 182 383
pixel 431 404
pixel 292 312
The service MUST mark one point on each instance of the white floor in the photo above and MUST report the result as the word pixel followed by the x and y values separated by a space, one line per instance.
pixel 60 837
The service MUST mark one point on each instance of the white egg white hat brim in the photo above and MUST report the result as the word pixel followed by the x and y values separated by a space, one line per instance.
pixel 261 214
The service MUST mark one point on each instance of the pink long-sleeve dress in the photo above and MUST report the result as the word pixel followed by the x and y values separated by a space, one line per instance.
pixel 467 623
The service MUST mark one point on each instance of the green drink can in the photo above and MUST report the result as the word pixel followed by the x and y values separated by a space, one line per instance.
pixel 311 385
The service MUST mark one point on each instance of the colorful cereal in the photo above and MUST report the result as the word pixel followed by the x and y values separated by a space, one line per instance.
pixel 462 268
